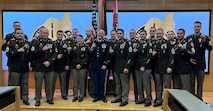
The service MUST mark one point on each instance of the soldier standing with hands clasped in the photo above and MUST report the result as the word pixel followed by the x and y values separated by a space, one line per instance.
pixel 44 53
pixel 123 56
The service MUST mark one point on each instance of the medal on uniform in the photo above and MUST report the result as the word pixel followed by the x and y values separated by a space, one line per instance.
pixel 122 51
pixel 16 46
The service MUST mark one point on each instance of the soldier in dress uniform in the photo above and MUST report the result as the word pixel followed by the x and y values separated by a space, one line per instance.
pixel 164 54
pixel 184 50
pixel 88 41
pixel 61 63
pixel 133 43
pixel 100 60
pixel 153 39
pixel 79 58
pixel 201 44
pixel 143 55
pixel 71 41
pixel 18 51
pixel 123 56
pixel 43 49
pixel 110 71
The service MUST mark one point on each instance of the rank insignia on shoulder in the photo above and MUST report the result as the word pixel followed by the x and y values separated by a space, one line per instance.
pixel 7 49
pixel 8 43
pixel 210 43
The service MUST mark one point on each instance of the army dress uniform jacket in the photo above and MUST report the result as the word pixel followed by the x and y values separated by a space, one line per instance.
pixel 39 56
pixel 200 47
pixel 143 55
pixel 182 57
pixel 164 57
pixel 61 47
pixel 123 55
pixel 19 61
pixel 100 54
pixel 79 55
pixel 133 43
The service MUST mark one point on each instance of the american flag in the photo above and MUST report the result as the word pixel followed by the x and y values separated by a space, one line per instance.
pixel 94 21
pixel 115 15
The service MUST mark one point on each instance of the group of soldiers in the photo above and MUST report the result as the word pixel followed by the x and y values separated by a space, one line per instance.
pixel 175 58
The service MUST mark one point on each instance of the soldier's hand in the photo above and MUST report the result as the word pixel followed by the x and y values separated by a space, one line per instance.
pixel 33 38
pixel 103 67
pixel 180 45
pixel 142 69
pixel 78 66
pixel 45 47
pixel 193 61
pixel 46 63
pixel 21 49
pixel 59 56
pixel 154 53
pixel 203 37
pixel 31 69
pixel 88 41
pixel 168 70
pixel 126 70
pixel 4 42
pixel 69 49
pixel 111 51
pixel 67 68
pixel 93 46
pixel 135 50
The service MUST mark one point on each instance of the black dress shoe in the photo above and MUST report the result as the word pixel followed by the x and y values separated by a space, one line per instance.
pixel 104 100
pixel 123 103
pixel 80 99
pixel 92 95
pixel 26 102
pixel 147 104
pixel 140 102
pixel 157 104
pixel 74 99
pixel 116 100
pixel 50 101
pixel 95 100
pixel 65 98
pixel 38 103
pixel 136 99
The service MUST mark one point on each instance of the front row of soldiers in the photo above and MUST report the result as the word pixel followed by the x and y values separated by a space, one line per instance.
pixel 163 57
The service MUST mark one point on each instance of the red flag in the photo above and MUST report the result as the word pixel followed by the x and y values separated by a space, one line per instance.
pixel 115 15
pixel 94 20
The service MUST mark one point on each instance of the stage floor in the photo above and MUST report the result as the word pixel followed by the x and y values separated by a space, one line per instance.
pixel 86 105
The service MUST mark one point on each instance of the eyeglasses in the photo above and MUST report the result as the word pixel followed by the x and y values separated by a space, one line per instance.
pixel 151 31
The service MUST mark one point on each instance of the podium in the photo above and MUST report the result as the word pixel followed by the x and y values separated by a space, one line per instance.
pixel 182 100
pixel 10 98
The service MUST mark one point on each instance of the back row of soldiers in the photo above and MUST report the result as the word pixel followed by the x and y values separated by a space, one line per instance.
pixel 179 57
